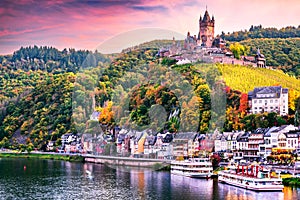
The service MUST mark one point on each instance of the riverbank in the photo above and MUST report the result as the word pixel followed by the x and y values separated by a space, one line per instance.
pixel 67 157
pixel 292 182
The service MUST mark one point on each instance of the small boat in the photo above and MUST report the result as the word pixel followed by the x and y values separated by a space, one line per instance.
pixel 89 174
pixel 258 179
pixel 194 168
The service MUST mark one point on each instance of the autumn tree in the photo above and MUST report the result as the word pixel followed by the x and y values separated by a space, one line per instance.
pixel 238 50
pixel 106 117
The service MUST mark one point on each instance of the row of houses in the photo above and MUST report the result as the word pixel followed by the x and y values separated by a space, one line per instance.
pixel 253 146
pixel 239 145
pixel 70 143
pixel 145 144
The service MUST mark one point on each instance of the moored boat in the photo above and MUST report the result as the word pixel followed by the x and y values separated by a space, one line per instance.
pixel 194 167
pixel 258 179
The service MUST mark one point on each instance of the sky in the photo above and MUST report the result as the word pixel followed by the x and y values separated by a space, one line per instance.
pixel 91 24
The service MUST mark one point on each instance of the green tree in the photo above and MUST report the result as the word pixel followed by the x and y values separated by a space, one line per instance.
pixel 238 50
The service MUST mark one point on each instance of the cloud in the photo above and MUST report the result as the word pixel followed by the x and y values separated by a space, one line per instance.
pixel 85 24
pixel 150 8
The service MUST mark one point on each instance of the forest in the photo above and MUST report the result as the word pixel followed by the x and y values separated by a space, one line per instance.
pixel 255 32
pixel 51 59
pixel 281 47
pixel 280 53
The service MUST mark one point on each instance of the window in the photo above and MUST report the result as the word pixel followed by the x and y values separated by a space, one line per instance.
pixel 276 100
pixel 255 101
pixel 255 108
pixel 271 107
pixel 271 101
pixel 260 101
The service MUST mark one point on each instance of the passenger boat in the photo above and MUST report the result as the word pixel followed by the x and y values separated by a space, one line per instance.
pixel 258 179
pixel 194 167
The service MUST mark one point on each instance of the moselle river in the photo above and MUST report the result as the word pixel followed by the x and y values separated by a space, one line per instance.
pixel 49 179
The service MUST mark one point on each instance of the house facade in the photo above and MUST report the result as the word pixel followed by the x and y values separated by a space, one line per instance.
pixel 269 99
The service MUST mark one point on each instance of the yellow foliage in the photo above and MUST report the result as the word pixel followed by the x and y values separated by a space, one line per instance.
pixel 106 115
pixel 245 79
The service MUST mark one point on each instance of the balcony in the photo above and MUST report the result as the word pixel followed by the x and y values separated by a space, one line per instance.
pixel 256 142
pixel 253 148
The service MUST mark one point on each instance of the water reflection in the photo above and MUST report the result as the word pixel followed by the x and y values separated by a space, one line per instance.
pixel 235 193
pixel 65 180
pixel 189 188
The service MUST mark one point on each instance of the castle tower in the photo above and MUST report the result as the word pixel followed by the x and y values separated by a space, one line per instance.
pixel 206 30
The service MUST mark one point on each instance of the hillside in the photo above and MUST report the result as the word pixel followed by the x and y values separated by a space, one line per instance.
pixel 244 78
pixel 43 114
pixel 280 53
pixel 142 83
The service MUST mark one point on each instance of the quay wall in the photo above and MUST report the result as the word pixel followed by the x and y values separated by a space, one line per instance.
pixel 126 161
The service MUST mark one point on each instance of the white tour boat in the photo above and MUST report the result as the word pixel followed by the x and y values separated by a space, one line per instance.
pixel 194 167
pixel 257 179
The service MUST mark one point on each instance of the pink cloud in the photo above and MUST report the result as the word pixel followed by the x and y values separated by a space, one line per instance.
pixel 74 23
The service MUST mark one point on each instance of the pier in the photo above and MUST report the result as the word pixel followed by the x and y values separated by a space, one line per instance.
pixel 126 161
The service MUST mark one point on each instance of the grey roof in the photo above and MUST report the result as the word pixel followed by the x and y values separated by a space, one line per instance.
pixel 250 95
pixel 151 139
pixel 285 90
pixel 294 131
pixel 268 90
pixel 186 135
pixel 268 132
pixel 138 135
pixel 243 137
pixel 280 128
pixel 291 135
pixel 200 136
pixel 121 138
pixel 261 130
pixel 168 138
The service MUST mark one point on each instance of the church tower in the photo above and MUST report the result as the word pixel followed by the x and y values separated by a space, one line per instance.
pixel 206 30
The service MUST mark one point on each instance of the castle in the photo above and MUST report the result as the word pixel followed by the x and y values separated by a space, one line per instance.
pixel 206 30
pixel 206 47
pixel 206 35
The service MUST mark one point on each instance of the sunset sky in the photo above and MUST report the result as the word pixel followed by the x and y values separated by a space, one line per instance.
pixel 86 24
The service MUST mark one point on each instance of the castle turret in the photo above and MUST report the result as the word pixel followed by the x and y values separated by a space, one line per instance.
pixel 206 30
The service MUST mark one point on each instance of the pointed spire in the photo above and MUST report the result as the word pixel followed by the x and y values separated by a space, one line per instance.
pixel 206 17
pixel 258 52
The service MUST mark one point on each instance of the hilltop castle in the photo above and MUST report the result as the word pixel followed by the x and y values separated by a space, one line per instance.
pixel 206 35
pixel 206 47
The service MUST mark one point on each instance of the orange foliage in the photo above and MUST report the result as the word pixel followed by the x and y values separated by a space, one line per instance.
pixel 107 115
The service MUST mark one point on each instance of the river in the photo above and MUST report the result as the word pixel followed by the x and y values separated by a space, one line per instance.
pixel 49 179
